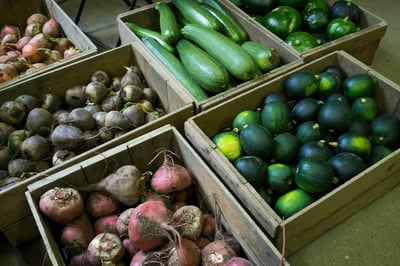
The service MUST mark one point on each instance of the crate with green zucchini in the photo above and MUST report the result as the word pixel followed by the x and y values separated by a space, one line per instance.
pixel 213 53
pixel 317 27
pixel 305 151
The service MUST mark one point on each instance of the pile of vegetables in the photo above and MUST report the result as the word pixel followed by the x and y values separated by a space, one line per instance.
pixel 131 217
pixel 205 47
pixel 40 43
pixel 40 131
pixel 305 24
pixel 316 133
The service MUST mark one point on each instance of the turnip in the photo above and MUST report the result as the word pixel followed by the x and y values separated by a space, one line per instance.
pixel 123 185
pixel 115 120
pixel 52 56
pixel 5 156
pixel 189 221
pixel 81 118
pixel 238 261
pixel 101 76
pixel 19 166
pixel 150 225
pixel 170 176
pixel 7 72
pixel 61 204
pixel 135 115
pixel 123 222
pixel 36 18
pixel 62 44
pixel 105 248
pixel 52 28
pixel 9 29
pixel 12 112
pixel 61 156
pixel 67 137
pixel 39 121
pixel 106 224
pixel 76 235
pixel 29 101
pixel 35 148
pixel 95 92
pixel 51 102
pixel 99 203
pixel 185 254
pixel 70 52
pixel 22 42
pixel 32 29
pixel 16 138
pixel 9 40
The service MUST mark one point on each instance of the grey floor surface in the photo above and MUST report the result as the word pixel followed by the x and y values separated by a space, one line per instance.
pixel 370 237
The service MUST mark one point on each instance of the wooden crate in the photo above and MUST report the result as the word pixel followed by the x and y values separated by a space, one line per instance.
pixel 139 152
pixel 361 44
pixel 15 210
pixel 15 12
pixel 332 208
pixel 148 17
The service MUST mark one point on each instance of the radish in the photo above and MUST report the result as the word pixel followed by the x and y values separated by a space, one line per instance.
pixel 76 235
pixel 123 221
pixel 150 225
pixel 61 204
pixel 123 185
pixel 189 221
pixel 185 254
pixel 105 248
pixel 99 204
pixel 238 261
pixel 170 176
pixel 106 224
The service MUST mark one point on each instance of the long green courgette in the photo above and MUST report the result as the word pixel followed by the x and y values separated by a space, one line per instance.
pixel 169 28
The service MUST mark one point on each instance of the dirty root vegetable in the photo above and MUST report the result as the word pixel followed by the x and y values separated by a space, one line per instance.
pixel 170 176
pixel 16 138
pixel 150 225
pixel 61 156
pixel 123 185
pixel 77 234
pixel 123 222
pixel 217 253
pixel 238 261
pixel 5 156
pixel 105 249
pixel 61 204
pixel 39 121
pixel 67 137
pixel 99 203
pixel 131 77
pixel 81 118
pixel 35 148
pixel 5 131
pixel 19 166
pixel 7 72
pixel 52 28
pixel 189 220
pixel 209 226
pixel 185 254
pixel 95 92
pixel 106 224
pixel 29 101
pixel 12 112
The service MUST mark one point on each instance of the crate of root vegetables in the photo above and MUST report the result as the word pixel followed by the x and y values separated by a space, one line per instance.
pixel 316 28
pixel 37 36
pixel 150 200
pixel 61 117
pixel 213 61
pixel 307 150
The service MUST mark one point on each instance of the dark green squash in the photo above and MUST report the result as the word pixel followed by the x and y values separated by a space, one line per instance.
pixel 314 175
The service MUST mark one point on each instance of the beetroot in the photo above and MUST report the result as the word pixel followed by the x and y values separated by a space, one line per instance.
pixel 189 220
pixel 149 225
pixel 52 28
pixel 171 176
pixel 76 235
pixel 105 248
pixel 106 224
pixel 217 253
pixel 123 222
pixel 238 261
pixel 185 254
pixel 99 204
pixel 61 204
pixel 208 229
pixel 130 248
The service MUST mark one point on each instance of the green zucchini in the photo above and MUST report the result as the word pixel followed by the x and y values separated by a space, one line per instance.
pixel 234 24
pixel 169 28
pixel 208 72
pixel 175 66
pixel 229 28
pixel 193 12
pixel 266 58
pixel 142 32
pixel 231 55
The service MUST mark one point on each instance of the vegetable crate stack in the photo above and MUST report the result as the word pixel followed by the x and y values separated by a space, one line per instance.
pixel 212 60
pixel 319 26
pixel 160 184
pixel 36 37
pixel 73 113
pixel 302 154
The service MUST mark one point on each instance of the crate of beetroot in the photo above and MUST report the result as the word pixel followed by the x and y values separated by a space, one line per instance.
pixel 212 52
pixel 61 117
pixel 150 200
pixel 308 149
pixel 317 27
pixel 37 36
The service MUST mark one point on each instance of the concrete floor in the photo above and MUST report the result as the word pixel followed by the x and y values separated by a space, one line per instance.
pixel 369 237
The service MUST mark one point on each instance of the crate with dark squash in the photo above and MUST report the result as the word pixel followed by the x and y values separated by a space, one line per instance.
pixel 16 13
pixel 212 195
pixel 16 214
pixel 148 17
pixel 324 212
pixel 361 44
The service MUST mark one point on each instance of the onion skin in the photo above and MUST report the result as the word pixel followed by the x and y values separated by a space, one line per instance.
pixel 61 205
